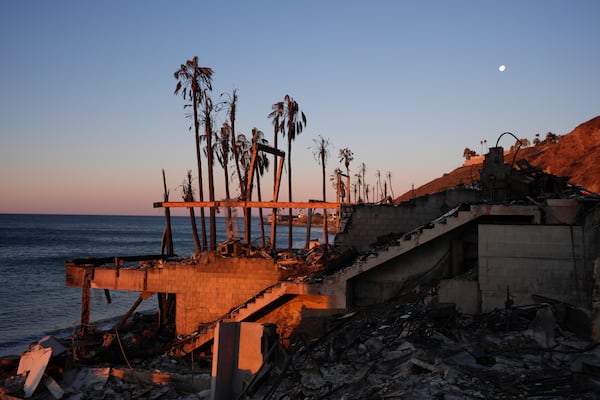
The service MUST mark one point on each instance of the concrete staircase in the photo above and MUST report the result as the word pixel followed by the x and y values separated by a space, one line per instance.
pixel 206 332
pixel 457 217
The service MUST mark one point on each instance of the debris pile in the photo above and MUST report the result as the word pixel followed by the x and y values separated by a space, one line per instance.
pixel 411 348
pixel 56 369
pixel 426 350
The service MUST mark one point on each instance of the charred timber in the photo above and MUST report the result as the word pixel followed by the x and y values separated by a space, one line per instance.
pixel 247 204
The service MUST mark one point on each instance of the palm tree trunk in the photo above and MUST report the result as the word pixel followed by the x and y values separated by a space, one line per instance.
pixel 199 161
pixel 274 211
pixel 201 196
pixel 167 244
pixel 348 188
pixel 211 185
pixel 289 192
pixel 229 217
pixel 236 155
pixel 195 230
pixel 325 230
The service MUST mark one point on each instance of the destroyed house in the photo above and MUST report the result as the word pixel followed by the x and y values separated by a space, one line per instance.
pixel 516 236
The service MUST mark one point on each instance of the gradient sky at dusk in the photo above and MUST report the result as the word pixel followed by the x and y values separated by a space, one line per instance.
pixel 88 117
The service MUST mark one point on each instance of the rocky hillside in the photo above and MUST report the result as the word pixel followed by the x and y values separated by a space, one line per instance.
pixel 576 155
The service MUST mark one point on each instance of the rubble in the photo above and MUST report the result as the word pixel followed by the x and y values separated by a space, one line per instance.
pixel 413 347
pixel 64 375
pixel 32 365
pixel 419 349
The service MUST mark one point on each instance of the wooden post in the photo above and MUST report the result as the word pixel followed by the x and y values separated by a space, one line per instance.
pixel 325 227
pixel 260 214
pixel 168 237
pixel 338 186
pixel 276 198
pixel 348 188
pixel 85 302
pixel 143 296
pixel 248 213
pixel 308 227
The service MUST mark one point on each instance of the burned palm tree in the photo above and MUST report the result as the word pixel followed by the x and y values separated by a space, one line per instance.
pixel 295 121
pixel 389 178
pixel 277 114
pixel 358 186
pixel 363 172
pixel 223 151
pixel 338 184
pixel 191 81
pixel 167 240
pixel 244 149
pixel 231 104
pixel 208 136
pixel 321 153
pixel 379 188
pixel 262 165
pixel 188 196
pixel 346 156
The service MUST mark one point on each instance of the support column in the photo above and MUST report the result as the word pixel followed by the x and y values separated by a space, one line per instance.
pixel 85 301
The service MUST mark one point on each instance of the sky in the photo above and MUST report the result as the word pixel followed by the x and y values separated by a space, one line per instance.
pixel 88 117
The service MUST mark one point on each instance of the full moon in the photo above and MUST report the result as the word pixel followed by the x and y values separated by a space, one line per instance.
pixel 502 68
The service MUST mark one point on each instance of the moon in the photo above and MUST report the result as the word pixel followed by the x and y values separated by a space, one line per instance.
pixel 502 68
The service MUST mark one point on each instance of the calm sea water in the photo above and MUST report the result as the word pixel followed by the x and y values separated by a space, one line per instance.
pixel 34 300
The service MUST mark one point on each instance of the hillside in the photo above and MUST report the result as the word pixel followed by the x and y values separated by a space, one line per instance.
pixel 576 155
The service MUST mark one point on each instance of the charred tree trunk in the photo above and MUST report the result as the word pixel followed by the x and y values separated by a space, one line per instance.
pixel 195 229
pixel 167 242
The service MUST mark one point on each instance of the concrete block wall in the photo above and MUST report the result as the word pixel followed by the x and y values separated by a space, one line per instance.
pixel 530 259
pixel 206 290
pixel 368 221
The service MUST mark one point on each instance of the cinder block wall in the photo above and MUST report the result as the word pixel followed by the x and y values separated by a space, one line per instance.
pixel 370 221
pixel 206 290
pixel 531 259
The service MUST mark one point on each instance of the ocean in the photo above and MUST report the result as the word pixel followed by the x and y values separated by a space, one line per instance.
pixel 34 300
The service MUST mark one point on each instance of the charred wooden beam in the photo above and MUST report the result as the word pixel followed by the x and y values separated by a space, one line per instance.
pixel 246 204
pixel 143 296
pixel 105 260
pixel 276 198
